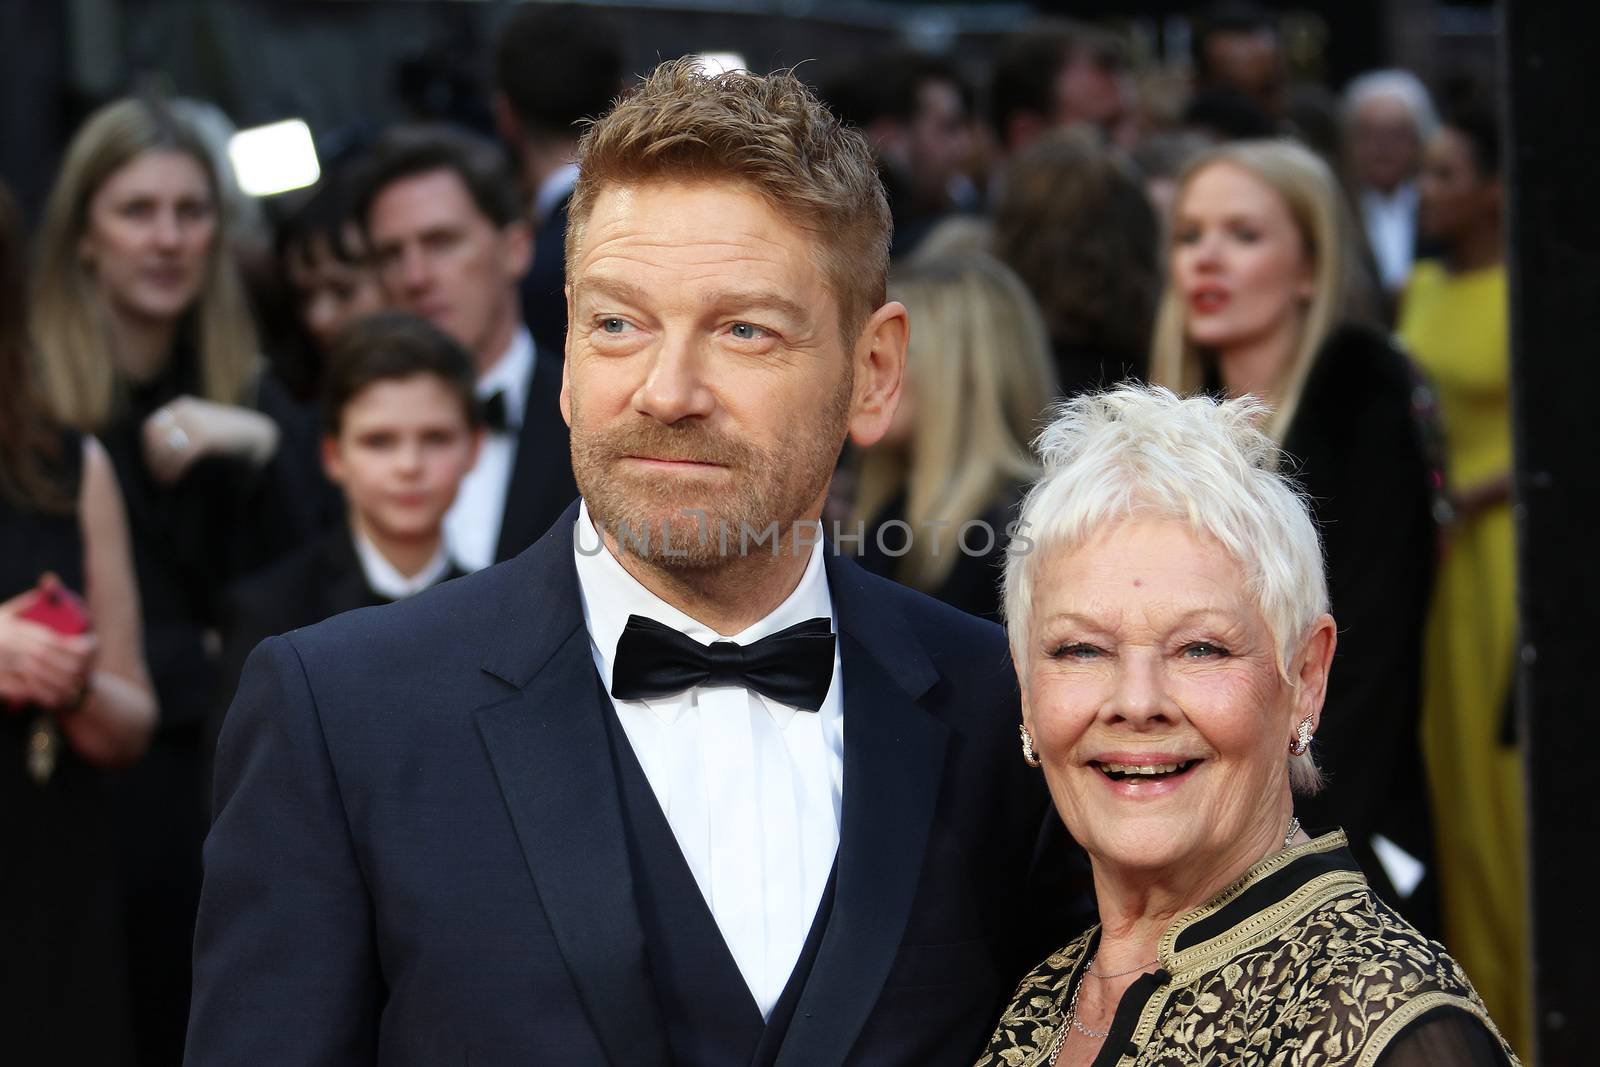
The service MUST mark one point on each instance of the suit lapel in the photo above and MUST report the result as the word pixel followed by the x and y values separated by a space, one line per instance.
pixel 552 760
pixel 894 753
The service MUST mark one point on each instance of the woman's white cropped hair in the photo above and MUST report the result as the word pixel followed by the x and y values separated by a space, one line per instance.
pixel 1141 451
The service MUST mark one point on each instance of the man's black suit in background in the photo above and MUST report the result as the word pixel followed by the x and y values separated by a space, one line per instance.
pixel 544 299
pixel 430 847
pixel 320 581
pixel 541 483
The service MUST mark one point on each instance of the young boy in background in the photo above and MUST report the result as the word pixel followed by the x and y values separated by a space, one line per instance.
pixel 401 428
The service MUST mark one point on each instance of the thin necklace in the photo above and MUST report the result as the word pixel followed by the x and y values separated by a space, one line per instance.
pixel 1120 974
pixel 1072 1005
pixel 1072 1016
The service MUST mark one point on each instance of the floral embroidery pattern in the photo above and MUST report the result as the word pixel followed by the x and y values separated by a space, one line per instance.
pixel 1330 984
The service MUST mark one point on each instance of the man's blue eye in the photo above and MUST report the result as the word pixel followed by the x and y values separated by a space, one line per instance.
pixel 744 331
pixel 613 325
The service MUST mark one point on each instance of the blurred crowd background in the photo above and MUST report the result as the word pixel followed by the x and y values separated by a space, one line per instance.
pixel 281 326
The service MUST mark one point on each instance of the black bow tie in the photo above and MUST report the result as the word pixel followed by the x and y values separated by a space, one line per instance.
pixel 495 415
pixel 793 666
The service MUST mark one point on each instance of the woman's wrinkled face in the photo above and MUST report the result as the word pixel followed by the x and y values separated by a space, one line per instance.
pixel 149 235
pixel 1155 703
pixel 1238 259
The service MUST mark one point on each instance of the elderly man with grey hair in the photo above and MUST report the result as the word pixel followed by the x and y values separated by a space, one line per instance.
pixel 1388 117
pixel 1171 633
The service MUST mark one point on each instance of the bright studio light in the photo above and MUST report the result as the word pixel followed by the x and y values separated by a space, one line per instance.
pixel 274 158
pixel 713 63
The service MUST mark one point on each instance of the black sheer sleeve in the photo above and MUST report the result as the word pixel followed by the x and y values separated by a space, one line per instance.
pixel 1445 1037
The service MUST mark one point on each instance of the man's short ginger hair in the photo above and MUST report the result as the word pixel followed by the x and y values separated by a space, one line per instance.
pixel 769 134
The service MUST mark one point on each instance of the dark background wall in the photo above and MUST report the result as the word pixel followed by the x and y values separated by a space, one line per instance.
pixel 1555 320
pixel 350 65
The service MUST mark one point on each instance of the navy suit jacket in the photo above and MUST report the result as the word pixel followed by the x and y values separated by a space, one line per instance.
pixel 418 854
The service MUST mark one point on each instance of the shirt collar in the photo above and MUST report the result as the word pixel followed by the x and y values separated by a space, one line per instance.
pixel 511 376
pixel 1403 199
pixel 553 189
pixel 386 581
pixel 610 594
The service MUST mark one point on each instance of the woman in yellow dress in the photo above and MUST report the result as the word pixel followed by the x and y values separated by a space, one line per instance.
pixel 1453 320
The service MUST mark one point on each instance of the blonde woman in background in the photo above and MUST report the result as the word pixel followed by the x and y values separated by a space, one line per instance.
pixel 943 483
pixel 145 341
pixel 1259 300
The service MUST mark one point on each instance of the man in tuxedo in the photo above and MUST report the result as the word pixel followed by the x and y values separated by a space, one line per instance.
pixel 680 784
pixel 451 245
pixel 1388 119
pixel 555 65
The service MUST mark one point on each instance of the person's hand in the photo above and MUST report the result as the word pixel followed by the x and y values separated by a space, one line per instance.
pixel 1480 497
pixel 39 666
pixel 182 432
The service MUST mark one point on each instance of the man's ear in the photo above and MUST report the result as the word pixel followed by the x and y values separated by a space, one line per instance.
pixel 506 123
pixel 565 399
pixel 516 248
pixel 332 461
pixel 889 138
pixel 880 365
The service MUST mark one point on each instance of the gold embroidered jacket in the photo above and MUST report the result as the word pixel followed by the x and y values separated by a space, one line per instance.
pixel 1295 963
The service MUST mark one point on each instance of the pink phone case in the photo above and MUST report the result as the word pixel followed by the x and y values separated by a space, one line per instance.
pixel 60 609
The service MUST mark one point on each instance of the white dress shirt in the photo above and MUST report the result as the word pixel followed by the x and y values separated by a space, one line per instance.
pixel 386 581
pixel 751 787
pixel 472 525
pixel 1391 224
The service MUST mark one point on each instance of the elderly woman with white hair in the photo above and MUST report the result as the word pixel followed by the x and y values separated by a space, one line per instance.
pixel 1170 630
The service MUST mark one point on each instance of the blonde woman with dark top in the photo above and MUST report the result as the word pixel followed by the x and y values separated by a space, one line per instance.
pixel 145 341
pixel 978 381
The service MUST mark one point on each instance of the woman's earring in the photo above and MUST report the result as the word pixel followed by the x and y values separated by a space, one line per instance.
pixel 1027 746
pixel 1302 741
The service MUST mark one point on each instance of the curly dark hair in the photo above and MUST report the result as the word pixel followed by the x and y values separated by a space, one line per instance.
pixel 1076 224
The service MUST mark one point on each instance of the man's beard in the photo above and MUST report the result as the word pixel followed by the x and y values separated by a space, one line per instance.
pixel 704 521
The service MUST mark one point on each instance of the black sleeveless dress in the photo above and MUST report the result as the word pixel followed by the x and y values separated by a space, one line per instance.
pixel 222 520
pixel 63 979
